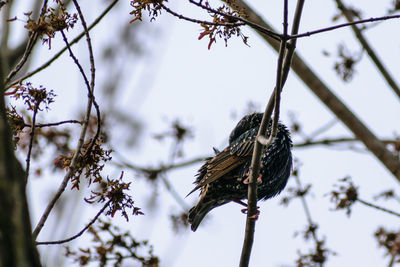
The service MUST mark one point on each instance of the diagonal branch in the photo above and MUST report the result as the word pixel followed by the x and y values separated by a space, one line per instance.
pixel 80 232
pixel 30 44
pixel 371 53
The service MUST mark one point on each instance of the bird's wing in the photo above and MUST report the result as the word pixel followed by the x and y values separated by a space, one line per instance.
pixel 227 160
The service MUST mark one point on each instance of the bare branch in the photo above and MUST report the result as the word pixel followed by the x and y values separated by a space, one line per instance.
pixel 80 232
pixel 371 205
pixel 332 141
pixel 41 125
pixel 92 80
pixel 174 193
pixel 16 246
pixel 32 134
pixel 306 34
pixel 253 25
pixel 179 16
pixel 306 209
pixel 31 42
pixel 371 53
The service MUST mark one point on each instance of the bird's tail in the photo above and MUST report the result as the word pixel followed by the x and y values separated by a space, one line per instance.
pixel 198 212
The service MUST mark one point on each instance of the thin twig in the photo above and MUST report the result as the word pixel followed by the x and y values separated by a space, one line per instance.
pixel 253 25
pixel 392 260
pixel 92 79
pixel 161 169
pixel 322 129
pixel 371 53
pixel 179 16
pixel 332 141
pixel 32 134
pixel 41 125
pixel 306 34
pixel 31 43
pixel 79 233
pixel 170 188
pixel 58 54
pixel 378 207
pixel 306 208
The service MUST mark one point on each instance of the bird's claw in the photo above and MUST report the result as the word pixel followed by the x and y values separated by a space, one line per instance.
pixel 259 179
pixel 255 216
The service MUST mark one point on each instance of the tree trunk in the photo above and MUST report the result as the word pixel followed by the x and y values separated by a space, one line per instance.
pixel 17 248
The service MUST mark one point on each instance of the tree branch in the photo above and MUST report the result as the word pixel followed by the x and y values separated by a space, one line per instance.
pixel 251 24
pixel 371 53
pixel 16 243
pixel 31 42
pixel 179 16
pixel 41 125
pixel 32 135
pixel 92 79
pixel 307 34
pixel 371 205
pixel 79 233
pixel 81 140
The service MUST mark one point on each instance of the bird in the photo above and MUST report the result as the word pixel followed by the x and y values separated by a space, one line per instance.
pixel 224 177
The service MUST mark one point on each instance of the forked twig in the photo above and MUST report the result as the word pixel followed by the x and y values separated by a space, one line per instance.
pixel 79 233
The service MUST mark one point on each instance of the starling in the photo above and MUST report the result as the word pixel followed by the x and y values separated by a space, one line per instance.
pixel 224 177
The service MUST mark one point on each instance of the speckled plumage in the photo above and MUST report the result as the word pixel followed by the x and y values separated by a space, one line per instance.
pixel 221 179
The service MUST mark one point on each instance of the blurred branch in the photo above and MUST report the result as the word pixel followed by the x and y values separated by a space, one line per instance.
pixel 29 46
pixel 371 53
pixel 322 129
pixel 174 193
pixel 162 168
pixel 392 261
pixel 253 25
pixel 80 232
pixel 16 242
pixel 5 29
pixel 322 91
pixel 332 141
pixel 311 223
pixel 41 125
pixel 371 205
pixel 58 54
